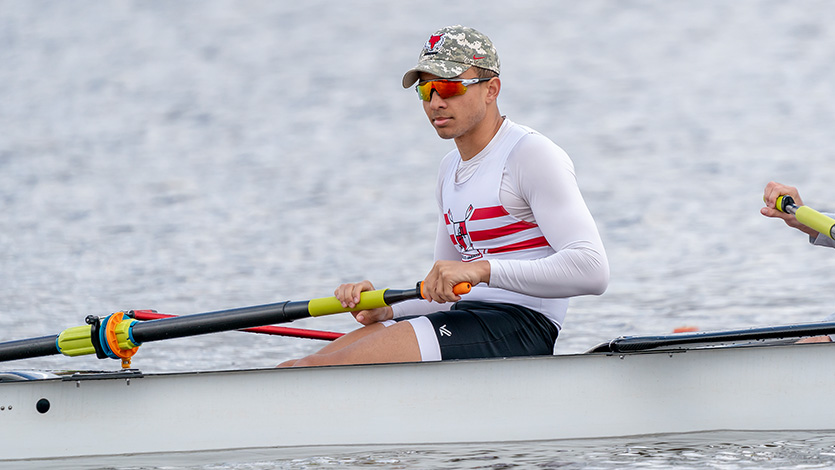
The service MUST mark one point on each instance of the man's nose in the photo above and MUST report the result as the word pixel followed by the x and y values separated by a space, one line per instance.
pixel 436 103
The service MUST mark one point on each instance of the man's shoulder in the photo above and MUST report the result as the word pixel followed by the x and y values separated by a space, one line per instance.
pixel 515 126
pixel 530 135
pixel 532 142
pixel 536 152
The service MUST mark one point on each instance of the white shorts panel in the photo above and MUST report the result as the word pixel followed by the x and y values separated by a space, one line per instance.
pixel 430 350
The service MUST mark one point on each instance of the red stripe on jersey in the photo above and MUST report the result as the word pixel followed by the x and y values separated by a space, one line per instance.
pixel 488 213
pixel 525 245
pixel 481 235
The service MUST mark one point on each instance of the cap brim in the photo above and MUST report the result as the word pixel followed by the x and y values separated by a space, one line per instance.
pixel 440 68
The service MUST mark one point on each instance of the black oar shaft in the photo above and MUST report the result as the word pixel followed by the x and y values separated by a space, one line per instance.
pixel 239 318
pixel 175 327
pixel 392 296
pixel 25 348
pixel 224 320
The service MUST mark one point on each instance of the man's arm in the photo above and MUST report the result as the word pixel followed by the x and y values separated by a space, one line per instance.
pixel 543 175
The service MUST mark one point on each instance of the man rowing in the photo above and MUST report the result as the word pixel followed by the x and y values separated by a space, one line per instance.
pixel 512 222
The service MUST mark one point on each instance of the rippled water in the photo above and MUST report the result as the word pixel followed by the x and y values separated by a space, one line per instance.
pixel 194 156
pixel 715 450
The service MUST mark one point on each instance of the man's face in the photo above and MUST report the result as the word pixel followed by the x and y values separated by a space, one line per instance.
pixel 456 116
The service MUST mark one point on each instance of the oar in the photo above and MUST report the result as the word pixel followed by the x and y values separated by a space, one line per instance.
pixel 119 338
pixel 641 343
pixel 807 216
pixel 267 330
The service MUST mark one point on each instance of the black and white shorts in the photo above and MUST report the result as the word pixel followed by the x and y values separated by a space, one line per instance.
pixel 472 330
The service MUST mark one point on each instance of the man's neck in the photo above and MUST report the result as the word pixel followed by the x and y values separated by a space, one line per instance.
pixel 471 144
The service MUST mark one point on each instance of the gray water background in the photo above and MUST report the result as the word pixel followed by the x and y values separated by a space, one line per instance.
pixel 192 156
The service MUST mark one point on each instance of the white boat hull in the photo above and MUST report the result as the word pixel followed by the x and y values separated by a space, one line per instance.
pixel 770 388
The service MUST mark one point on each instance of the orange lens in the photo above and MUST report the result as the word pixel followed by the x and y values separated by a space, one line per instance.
pixel 445 89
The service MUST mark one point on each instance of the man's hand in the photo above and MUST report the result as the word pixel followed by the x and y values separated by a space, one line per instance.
pixel 445 275
pixel 773 190
pixel 349 295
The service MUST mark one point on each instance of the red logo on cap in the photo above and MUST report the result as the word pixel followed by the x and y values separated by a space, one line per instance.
pixel 434 44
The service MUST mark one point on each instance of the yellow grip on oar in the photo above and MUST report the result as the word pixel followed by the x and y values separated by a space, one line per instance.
pixel 815 220
pixel 328 305
pixel 778 204
pixel 76 341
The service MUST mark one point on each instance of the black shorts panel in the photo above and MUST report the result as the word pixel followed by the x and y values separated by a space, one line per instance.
pixel 472 330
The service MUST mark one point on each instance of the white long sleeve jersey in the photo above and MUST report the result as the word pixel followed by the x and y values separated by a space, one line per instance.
pixel 538 186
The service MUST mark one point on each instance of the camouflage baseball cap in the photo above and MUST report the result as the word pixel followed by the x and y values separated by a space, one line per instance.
pixel 450 51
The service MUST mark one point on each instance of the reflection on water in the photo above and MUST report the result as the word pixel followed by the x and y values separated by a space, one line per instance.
pixel 195 156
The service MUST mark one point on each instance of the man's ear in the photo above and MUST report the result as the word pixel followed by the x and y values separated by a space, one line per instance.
pixel 494 86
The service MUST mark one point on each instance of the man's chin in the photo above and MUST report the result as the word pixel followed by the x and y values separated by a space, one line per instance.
pixel 445 134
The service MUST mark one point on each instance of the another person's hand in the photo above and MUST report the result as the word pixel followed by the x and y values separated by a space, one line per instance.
pixel 445 275
pixel 349 296
pixel 772 191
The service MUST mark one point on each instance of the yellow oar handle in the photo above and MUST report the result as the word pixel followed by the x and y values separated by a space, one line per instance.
pixel 328 305
pixel 815 220
pixel 806 215
pixel 374 299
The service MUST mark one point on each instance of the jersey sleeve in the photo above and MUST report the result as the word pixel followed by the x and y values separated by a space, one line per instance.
pixel 542 174
pixel 823 240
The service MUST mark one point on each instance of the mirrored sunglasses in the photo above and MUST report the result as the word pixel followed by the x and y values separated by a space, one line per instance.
pixel 446 88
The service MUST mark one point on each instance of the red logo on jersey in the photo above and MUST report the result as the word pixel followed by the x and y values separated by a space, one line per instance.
pixel 461 236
